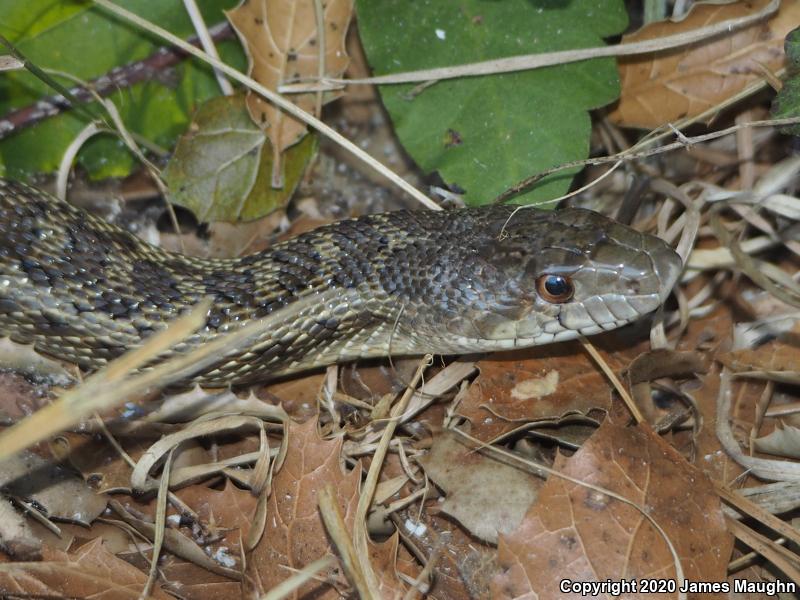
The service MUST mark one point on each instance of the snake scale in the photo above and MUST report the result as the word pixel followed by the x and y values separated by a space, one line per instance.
pixel 407 282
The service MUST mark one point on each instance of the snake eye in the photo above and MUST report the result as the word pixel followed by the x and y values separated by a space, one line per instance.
pixel 555 289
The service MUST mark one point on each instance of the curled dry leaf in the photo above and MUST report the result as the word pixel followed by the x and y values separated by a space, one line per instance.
pixel 383 558
pixel 294 535
pixel 661 87
pixel 574 532
pixel 474 482
pixel 784 440
pixel 90 572
pixel 282 44
pixel 664 362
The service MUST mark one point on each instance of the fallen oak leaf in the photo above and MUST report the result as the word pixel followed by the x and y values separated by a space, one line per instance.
pixel 90 572
pixel 579 533
pixel 294 534
pixel 282 43
pixel 58 491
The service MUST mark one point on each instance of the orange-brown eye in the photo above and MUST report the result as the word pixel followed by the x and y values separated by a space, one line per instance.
pixel 555 289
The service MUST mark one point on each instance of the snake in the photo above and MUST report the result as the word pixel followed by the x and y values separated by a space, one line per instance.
pixel 401 283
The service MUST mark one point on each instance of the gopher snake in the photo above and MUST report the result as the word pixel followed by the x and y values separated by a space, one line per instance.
pixel 407 282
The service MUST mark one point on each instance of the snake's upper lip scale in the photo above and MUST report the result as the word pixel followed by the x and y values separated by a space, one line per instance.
pixel 667 264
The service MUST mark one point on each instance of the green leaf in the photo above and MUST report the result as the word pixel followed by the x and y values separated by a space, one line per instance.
pixel 221 169
pixel 787 103
pixel 483 134
pixel 81 39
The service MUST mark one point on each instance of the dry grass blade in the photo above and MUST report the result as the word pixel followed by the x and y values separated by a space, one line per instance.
pixel 644 149
pixel 779 556
pixel 765 275
pixel 752 509
pixel 175 542
pixel 140 475
pixel 95 394
pixel 536 61
pixel 160 523
pixel 771 470
pixel 286 587
pixel 612 377
pixel 335 525
pixel 360 535
pixel 111 386
pixel 420 586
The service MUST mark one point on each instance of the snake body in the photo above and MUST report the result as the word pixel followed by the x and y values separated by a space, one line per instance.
pixel 407 282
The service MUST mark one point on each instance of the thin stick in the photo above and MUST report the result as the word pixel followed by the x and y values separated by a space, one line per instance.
pixel 287 586
pixel 208 44
pixel 637 415
pixel 641 150
pixel 536 61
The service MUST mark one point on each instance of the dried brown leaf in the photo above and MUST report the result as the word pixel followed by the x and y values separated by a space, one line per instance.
pixel 574 532
pixel 474 482
pixel 282 43
pixel 383 558
pixel 231 508
pixel 90 572
pixel 227 514
pixel 661 87
pixel 531 385
pixel 191 582
pixel 294 535
pixel 664 362
pixel 298 396
pixel 711 458
pixel 775 356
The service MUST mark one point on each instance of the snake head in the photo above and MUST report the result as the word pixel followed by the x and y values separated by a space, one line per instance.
pixel 556 275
